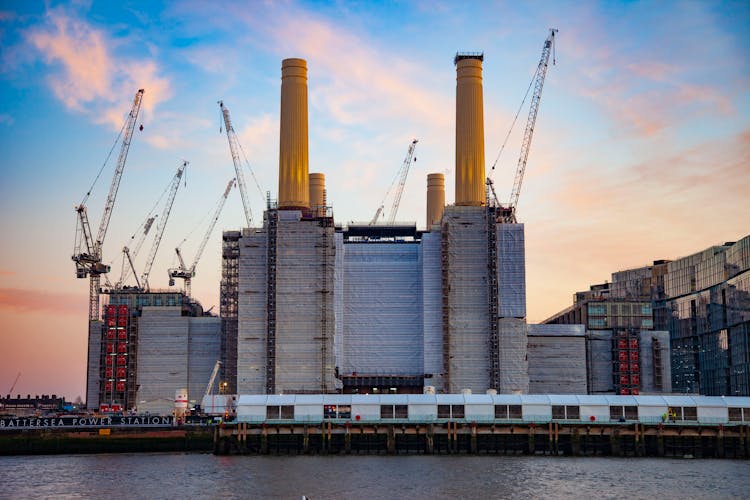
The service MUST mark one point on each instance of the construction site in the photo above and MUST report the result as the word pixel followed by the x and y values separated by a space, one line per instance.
pixel 309 305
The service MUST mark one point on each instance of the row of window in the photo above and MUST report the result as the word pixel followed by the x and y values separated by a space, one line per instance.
pixel 510 412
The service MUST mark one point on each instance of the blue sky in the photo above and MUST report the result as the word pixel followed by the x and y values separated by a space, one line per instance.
pixel 641 149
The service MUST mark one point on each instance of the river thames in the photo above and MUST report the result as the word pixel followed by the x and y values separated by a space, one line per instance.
pixel 175 475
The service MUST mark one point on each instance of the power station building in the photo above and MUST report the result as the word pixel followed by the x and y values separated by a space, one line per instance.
pixel 309 306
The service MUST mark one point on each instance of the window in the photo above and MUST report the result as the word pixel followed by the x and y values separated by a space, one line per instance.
pixel 401 411
pixel 690 413
pixel 572 412
pixel 392 411
pixel 386 411
pixel 501 411
pixel 631 412
pixel 560 412
pixel 337 411
pixel 508 412
pixel 285 412
pixel 444 411
pixel 735 414
pixel 450 411
pixel 514 411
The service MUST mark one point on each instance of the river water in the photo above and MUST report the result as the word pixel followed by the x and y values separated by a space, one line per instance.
pixel 176 475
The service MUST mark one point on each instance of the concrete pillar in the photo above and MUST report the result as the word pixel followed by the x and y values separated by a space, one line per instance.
pixel 317 193
pixel 470 176
pixel 435 198
pixel 293 153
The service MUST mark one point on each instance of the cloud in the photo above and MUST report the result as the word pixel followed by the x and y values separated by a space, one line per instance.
pixel 354 82
pixel 4 272
pixel 32 301
pixel 86 75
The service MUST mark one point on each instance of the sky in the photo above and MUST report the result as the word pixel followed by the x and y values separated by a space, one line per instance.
pixel 641 148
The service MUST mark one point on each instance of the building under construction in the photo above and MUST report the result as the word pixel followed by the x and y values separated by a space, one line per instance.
pixel 310 306
pixel 148 345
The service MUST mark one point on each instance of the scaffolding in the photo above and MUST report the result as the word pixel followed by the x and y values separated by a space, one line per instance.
pixel 272 219
pixel 492 295
pixel 228 307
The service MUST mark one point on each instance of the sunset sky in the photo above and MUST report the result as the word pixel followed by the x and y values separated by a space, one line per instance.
pixel 641 149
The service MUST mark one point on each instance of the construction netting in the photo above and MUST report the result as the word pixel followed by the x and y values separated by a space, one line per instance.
pixel 432 306
pixel 382 309
pixel 251 314
pixel 511 271
pixel 464 256
pixel 557 359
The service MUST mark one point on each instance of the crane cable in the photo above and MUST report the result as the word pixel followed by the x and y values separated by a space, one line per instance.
pixel 117 141
pixel 507 136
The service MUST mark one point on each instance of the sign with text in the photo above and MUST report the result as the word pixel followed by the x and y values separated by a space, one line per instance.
pixel 84 421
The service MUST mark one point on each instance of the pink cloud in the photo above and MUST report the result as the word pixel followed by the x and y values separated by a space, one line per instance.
pixel 350 75
pixel 33 301
pixel 85 73
pixel 5 272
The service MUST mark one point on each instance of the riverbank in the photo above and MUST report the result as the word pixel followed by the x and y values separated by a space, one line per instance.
pixel 106 440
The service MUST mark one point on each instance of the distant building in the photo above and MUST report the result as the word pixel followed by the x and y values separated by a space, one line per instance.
pixel 701 301
pixel 31 406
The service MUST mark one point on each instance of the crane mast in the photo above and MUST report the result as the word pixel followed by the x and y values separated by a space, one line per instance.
pixel 212 379
pixel 162 224
pixel 187 273
pixel 131 256
pixel 89 261
pixel 234 148
pixel 541 73
pixel 402 181
pixel 401 175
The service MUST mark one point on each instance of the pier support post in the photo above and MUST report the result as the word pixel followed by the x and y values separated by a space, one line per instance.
pixel 391 440
pixel 660 443
pixel 575 442
pixel 348 440
pixel 614 443
pixel 305 440
pixel 473 438
pixel 532 444
pixel 264 441
pixel 430 440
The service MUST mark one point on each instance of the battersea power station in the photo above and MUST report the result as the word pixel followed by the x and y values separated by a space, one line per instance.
pixel 312 306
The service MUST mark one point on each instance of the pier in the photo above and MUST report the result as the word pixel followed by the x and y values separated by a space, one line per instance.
pixel 551 438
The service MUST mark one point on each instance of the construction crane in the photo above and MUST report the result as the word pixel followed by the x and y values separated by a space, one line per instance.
pixel 401 175
pixel 212 379
pixel 188 273
pixel 234 148
pixel 508 214
pixel 10 391
pixel 87 253
pixel 161 225
pixel 129 257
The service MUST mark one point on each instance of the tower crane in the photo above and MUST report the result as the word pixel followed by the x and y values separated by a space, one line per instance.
pixel 87 253
pixel 162 224
pixel 234 148
pixel 212 379
pixel 187 273
pixel 130 257
pixel 508 214
pixel 401 175
pixel 10 391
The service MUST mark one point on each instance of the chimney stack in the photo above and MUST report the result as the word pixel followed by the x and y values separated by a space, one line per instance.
pixel 293 154
pixel 435 198
pixel 470 176
pixel 317 193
